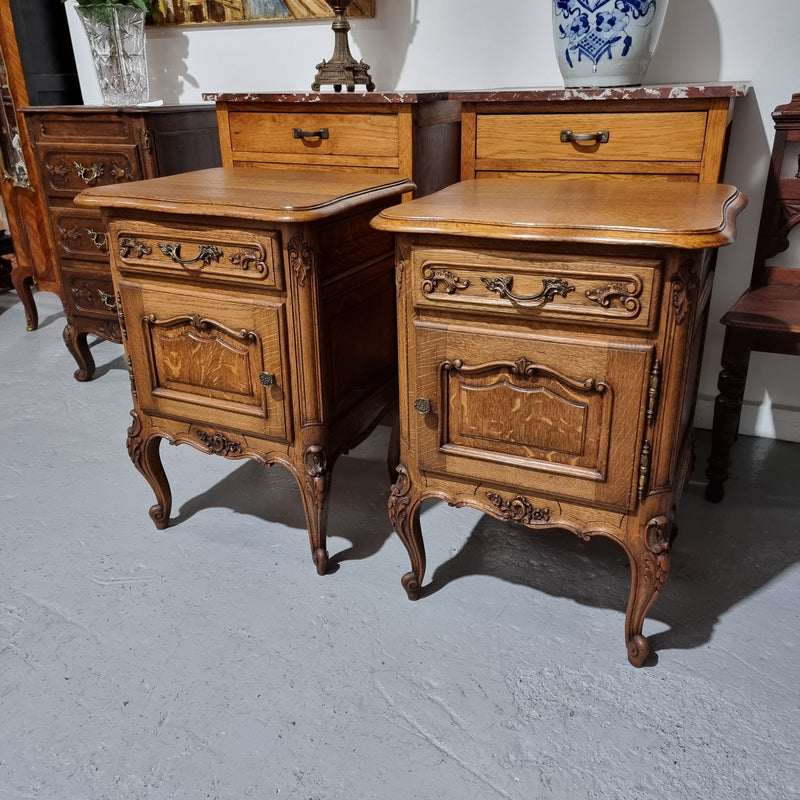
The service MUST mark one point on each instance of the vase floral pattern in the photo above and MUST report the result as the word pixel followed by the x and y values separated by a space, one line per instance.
pixel 605 42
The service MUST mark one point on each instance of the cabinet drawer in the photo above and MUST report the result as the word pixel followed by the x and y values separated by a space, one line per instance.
pixel 214 359
pixel 553 416
pixel 66 172
pixel 534 141
pixel 96 128
pixel 89 292
pixel 372 139
pixel 539 286
pixel 79 233
pixel 213 254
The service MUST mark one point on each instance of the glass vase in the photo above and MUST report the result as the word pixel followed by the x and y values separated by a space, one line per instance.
pixel 117 46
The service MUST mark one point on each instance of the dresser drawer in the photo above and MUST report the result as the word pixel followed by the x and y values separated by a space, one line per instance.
pixel 539 286
pixel 315 138
pixel 89 292
pixel 79 233
pixel 625 142
pixel 214 254
pixel 66 172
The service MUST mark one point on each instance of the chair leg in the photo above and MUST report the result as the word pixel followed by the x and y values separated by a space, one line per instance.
pixel 727 410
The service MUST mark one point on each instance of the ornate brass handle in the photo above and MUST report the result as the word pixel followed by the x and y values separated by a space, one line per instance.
pixel 550 288
pixel 299 133
pixel 266 378
pixel 108 300
pixel 206 253
pixel 99 239
pixel 422 405
pixel 88 174
pixel 601 137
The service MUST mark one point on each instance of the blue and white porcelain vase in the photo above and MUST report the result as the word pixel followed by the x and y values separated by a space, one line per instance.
pixel 606 42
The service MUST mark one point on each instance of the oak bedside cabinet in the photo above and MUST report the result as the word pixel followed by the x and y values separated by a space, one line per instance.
pixel 257 311
pixel 80 146
pixel 550 334
pixel 674 133
pixel 407 134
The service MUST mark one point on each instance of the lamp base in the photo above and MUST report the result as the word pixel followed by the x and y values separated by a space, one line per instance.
pixel 342 69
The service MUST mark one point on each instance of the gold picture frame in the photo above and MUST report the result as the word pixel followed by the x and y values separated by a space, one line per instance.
pixel 239 12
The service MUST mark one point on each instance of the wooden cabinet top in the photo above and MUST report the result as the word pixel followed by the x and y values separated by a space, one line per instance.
pixel 254 193
pixel 344 98
pixel 685 215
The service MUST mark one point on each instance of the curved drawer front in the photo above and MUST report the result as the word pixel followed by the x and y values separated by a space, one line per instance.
pixel 67 172
pixel 89 293
pixel 79 233
pixel 539 286
pixel 315 137
pixel 215 254
pixel 577 141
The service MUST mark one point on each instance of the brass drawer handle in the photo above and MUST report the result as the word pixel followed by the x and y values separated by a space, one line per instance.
pixel 206 253
pixel 601 137
pixel 107 300
pixel 550 288
pixel 299 133
pixel 99 239
pixel 88 174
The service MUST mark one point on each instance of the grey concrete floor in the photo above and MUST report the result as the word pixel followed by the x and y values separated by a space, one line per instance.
pixel 210 661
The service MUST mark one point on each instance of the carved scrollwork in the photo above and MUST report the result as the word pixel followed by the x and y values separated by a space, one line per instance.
pixel 519 510
pixel 399 269
pixel 121 173
pixel 316 464
pixel 134 441
pixel 301 257
pixel 627 293
pixel 59 171
pixel 128 246
pixel 656 557
pixel 250 258
pixel 399 497
pixel 218 443
pixel 433 276
pixel 684 289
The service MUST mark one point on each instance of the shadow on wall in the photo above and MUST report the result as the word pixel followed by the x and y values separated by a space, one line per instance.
pixel 167 68
pixel 384 45
pixel 689 49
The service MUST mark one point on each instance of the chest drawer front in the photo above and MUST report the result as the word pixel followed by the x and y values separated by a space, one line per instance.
pixel 87 129
pixel 66 172
pixel 559 417
pixel 539 286
pixel 534 141
pixel 213 254
pixel 79 234
pixel 314 137
pixel 90 293
pixel 216 360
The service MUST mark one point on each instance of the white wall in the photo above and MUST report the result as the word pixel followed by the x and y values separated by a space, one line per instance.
pixel 472 44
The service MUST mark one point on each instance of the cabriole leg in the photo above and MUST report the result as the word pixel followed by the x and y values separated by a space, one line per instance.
pixel 404 504
pixel 144 452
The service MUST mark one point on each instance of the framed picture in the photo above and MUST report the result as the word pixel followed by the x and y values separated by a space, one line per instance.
pixel 220 12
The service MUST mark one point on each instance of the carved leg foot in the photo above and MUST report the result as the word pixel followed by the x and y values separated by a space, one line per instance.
pixel 77 345
pixel 23 285
pixel 727 411
pixel 315 490
pixel 143 448
pixel 404 503
pixel 649 570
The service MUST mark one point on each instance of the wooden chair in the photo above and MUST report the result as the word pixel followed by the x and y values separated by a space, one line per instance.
pixel 766 318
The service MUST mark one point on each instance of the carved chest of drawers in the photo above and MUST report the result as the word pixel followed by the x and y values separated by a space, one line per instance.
pixel 80 146
pixel 550 334
pixel 675 133
pixel 257 311
pixel 406 134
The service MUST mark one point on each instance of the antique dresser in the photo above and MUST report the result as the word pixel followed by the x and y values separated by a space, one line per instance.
pixel 257 311
pixel 410 135
pixel 80 146
pixel 550 336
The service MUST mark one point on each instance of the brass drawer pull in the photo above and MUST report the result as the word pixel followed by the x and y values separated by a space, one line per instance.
pixel 299 133
pixel 206 253
pixel 550 288
pixel 99 239
pixel 88 174
pixel 601 137
pixel 266 378
pixel 107 300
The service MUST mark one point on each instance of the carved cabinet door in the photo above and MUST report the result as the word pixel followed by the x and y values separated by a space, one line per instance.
pixel 553 415
pixel 219 358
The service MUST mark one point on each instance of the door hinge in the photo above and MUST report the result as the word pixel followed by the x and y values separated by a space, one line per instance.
pixel 133 379
pixel 121 315
pixel 653 391
pixel 644 470
pixel 147 140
